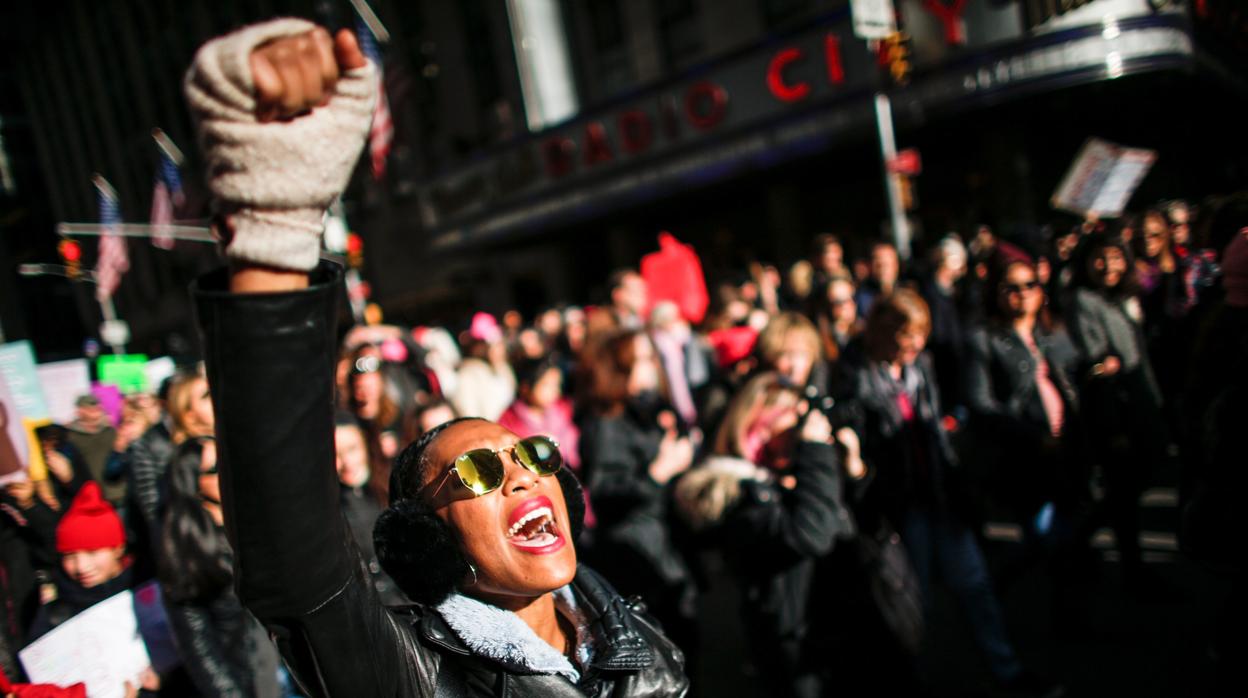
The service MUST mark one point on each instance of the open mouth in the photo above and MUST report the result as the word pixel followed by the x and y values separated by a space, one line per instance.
pixel 533 527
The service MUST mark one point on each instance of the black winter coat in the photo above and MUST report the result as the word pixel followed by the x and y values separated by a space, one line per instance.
pixel 913 462
pixel 1008 440
pixel 773 538
pixel 270 364
pixel 633 536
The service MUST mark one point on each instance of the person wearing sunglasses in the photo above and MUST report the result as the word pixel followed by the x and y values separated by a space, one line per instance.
pixel 481 524
pixel 1120 399
pixel 1024 432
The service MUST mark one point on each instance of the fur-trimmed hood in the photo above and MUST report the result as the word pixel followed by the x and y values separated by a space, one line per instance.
pixel 706 494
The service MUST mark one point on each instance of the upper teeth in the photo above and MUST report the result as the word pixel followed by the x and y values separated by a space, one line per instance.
pixel 536 513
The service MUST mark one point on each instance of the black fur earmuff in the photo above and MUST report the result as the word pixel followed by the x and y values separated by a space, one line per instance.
pixel 422 553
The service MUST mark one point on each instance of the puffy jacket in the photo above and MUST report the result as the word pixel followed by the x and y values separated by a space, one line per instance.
pixel 772 537
pixel 270 364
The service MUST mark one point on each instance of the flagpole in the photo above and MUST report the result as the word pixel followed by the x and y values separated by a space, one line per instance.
pixel 167 146
pixel 137 230
pixel 370 18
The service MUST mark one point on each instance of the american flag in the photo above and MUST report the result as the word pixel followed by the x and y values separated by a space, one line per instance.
pixel 167 197
pixel 114 260
pixel 381 135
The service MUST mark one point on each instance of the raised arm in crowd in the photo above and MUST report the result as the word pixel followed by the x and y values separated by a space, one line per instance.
pixel 481 524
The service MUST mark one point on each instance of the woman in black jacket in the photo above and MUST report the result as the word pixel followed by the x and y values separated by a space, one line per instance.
pixel 915 484
pixel 1120 397
pixel 223 648
pixel 770 498
pixel 1025 428
pixel 476 532
pixel 632 447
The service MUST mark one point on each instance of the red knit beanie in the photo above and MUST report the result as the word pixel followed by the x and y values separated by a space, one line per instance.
pixel 89 524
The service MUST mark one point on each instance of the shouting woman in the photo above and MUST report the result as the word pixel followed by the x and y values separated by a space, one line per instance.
pixel 480 527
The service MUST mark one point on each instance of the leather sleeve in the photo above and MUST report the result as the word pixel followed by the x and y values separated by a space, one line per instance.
pixel 270 368
pixel 202 654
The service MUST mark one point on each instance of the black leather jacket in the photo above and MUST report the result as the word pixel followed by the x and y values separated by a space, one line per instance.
pixel 270 364
pixel 1001 383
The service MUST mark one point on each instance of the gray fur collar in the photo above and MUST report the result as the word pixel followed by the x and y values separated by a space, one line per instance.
pixel 500 635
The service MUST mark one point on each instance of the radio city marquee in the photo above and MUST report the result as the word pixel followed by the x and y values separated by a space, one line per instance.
pixel 799 78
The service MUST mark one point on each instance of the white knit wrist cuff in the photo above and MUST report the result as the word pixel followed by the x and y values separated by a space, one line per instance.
pixel 288 239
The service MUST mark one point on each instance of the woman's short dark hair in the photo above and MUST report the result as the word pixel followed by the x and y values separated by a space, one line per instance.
pixel 193 554
pixel 1091 246
pixel 530 371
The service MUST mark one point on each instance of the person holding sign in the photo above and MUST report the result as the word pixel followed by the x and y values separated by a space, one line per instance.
pixel 481 523
pixel 92 544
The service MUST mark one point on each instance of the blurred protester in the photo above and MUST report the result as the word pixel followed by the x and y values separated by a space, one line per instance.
pixel 836 316
pixel 885 270
pixel 799 283
pixel 189 416
pixel 485 384
pixel 92 544
pixel 1212 528
pixel 67 471
pixel 541 409
pixel 441 357
pixel 364 490
pixel 27 557
pixel 630 296
pixel 427 414
pixel 1164 301
pixel 1179 217
pixel 1024 428
pixel 770 497
pixel 790 346
pixel 1062 275
pixel 94 436
pixel 368 397
pixel 1119 396
pixel 827 257
pixel 767 281
pixel 673 339
pixel 222 647
pixel 632 446
pixel 915 484
pixel 947 342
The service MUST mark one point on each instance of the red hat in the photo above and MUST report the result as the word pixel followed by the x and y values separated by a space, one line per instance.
pixel 89 524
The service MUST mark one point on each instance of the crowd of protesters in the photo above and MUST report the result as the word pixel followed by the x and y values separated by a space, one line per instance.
pixel 834 432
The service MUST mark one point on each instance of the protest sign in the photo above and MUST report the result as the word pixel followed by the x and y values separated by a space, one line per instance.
pixel 158 370
pixel 1102 179
pixel 13 444
pixel 110 399
pixel 63 382
pixel 17 367
pixel 126 371
pixel 102 647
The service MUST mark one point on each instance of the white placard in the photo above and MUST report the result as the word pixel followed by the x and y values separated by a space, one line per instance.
pixel 100 647
pixel 873 19
pixel 1102 178
pixel 158 370
pixel 63 382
